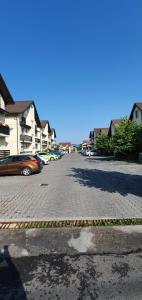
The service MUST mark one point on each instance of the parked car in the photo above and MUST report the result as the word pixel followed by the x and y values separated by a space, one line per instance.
pixel 93 152
pixel 55 153
pixel 43 159
pixel 48 156
pixel 20 164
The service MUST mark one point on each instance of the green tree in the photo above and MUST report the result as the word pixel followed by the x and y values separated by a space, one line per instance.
pixel 103 143
pixel 127 137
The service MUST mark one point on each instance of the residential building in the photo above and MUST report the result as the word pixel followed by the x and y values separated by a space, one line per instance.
pixel 52 138
pixel 5 99
pixel 22 119
pixel 113 125
pixel 94 133
pixel 45 131
pixel 66 146
pixel 136 113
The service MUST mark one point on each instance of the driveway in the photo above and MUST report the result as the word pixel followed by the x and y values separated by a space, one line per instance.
pixel 74 187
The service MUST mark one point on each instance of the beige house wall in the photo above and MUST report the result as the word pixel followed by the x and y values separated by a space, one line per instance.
pixel 14 142
pixel 3 139
pixel 46 138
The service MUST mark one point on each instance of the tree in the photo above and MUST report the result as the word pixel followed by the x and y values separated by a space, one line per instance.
pixel 127 137
pixel 103 143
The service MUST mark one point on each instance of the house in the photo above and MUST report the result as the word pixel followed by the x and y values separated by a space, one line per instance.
pixel 136 113
pixel 22 119
pixel 112 126
pixel 52 138
pixel 45 131
pixel 5 132
pixel 66 146
pixel 94 133
pixel 86 144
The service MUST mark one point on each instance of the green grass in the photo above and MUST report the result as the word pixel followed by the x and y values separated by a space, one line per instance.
pixel 72 223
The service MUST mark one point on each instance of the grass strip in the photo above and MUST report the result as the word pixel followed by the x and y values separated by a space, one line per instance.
pixel 70 223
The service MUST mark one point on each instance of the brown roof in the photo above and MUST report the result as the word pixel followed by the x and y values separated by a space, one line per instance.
pixel 4 112
pixel 65 144
pixel 5 92
pixel 20 107
pixel 44 123
pixel 97 131
pixel 114 122
pixel 138 105
pixel 53 130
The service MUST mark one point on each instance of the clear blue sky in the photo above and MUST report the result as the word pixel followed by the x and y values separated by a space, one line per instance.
pixel 80 60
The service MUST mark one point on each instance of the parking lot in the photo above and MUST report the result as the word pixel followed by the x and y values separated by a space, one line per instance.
pixel 74 187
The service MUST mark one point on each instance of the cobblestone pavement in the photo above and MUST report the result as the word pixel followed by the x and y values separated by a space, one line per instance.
pixel 77 187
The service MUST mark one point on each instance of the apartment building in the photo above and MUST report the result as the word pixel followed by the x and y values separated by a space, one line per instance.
pixel 52 138
pixel 25 126
pixel 45 131
pixel 5 99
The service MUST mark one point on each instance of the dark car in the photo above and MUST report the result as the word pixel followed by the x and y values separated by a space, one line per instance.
pixel 20 164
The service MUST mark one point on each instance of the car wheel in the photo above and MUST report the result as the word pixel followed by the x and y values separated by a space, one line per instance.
pixel 51 158
pixel 26 171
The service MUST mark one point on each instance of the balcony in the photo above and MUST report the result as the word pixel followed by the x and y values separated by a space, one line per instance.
pixel 23 123
pixel 4 130
pixel 44 143
pixel 25 138
pixel 37 140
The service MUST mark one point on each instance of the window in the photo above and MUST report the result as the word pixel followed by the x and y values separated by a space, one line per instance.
pixel 20 158
pixel 136 114
pixel 6 160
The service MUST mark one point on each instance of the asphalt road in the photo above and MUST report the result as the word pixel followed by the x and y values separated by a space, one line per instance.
pixel 71 264
pixel 74 187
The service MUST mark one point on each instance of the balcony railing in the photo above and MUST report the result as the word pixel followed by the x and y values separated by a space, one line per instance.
pixel 25 138
pixel 37 140
pixel 4 130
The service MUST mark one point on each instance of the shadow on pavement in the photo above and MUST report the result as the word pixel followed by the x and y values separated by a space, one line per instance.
pixel 112 182
pixel 100 158
pixel 11 286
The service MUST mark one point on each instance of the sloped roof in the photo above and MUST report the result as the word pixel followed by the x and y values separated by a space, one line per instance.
pixel 138 105
pixel 53 130
pixel 5 92
pixel 113 122
pixel 97 131
pixel 65 144
pixel 20 107
pixel 44 123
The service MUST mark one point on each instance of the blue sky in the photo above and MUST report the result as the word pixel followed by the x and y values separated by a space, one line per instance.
pixel 80 60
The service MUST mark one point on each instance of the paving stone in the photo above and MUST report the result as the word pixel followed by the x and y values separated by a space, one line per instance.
pixel 77 188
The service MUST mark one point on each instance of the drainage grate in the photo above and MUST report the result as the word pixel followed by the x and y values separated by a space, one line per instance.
pixel 44 184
